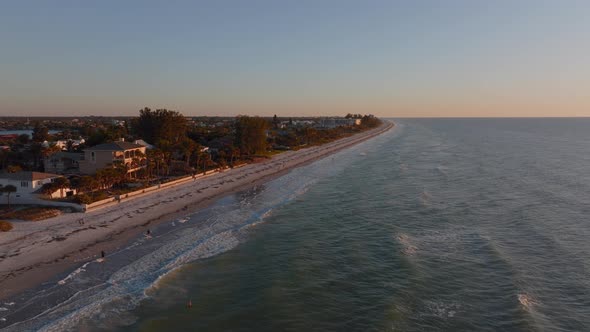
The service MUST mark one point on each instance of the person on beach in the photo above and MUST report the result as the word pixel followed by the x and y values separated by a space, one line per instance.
pixel 148 232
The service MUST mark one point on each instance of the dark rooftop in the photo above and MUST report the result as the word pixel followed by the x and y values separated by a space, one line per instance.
pixel 69 155
pixel 28 176
pixel 115 146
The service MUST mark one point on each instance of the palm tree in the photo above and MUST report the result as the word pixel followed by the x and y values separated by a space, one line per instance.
pixel 120 173
pixel 36 151
pixel 155 161
pixel 198 159
pixel 61 183
pixel 206 161
pixel 166 148
pixel 187 146
pixel 140 159
pixel 221 160
pixel 9 189
pixel 87 183
pixel 48 188
pixel 234 152
pixel 102 178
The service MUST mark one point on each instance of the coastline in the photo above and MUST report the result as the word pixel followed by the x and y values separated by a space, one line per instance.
pixel 33 252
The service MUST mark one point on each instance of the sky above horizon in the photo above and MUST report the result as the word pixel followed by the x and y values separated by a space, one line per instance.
pixel 306 57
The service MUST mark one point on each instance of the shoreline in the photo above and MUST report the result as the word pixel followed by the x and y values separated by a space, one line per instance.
pixel 34 252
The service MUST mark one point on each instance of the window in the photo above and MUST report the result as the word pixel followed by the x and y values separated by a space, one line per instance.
pixel 24 184
pixel 92 156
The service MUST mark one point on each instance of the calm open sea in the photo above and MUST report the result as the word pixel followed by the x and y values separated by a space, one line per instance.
pixel 437 225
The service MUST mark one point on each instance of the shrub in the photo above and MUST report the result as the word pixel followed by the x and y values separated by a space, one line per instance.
pixel 5 226
pixel 83 199
pixel 90 197
pixel 100 195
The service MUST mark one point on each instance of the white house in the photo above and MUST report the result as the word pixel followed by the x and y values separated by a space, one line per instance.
pixel 29 183
pixel 63 162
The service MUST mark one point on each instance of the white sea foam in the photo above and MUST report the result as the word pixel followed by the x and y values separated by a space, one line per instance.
pixel 442 170
pixel 441 309
pixel 127 286
pixel 409 248
pixel 73 274
pixel 526 300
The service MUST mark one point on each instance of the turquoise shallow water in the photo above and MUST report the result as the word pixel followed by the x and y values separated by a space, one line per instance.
pixel 438 225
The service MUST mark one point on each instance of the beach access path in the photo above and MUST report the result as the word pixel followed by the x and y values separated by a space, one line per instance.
pixel 33 252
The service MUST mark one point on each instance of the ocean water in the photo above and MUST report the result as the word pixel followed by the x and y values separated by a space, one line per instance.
pixel 26 131
pixel 437 225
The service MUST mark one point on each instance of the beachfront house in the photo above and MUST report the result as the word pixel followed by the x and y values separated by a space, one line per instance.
pixel 112 154
pixel 63 162
pixel 28 184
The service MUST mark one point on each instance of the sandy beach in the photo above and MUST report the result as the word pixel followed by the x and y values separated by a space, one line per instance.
pixel 35 251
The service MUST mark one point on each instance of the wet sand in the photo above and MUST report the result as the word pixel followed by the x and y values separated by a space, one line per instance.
pixel 33 252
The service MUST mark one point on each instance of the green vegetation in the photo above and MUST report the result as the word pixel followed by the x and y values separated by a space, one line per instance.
pixel 40 133
pixel 91 197
pixel 58 184
pixel 161 126
pixel 180 146
pixel 250 135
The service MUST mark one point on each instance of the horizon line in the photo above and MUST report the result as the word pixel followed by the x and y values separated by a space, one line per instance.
pixel 309 116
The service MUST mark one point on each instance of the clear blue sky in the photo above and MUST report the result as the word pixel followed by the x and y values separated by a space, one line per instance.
pixel 390 58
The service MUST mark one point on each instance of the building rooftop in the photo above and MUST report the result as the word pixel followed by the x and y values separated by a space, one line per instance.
pixel 28 176
pixel 70 155
pixel 115 146
pixel 144 143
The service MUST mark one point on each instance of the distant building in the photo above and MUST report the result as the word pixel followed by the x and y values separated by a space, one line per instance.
pixel 63 143
pixel 110 154
pixel 8 137
pixel 63 162
pixel 338 122
pixel 120 123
